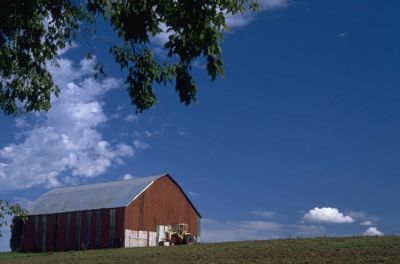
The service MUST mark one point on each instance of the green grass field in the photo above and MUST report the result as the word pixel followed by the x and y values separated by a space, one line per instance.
pixel 316 250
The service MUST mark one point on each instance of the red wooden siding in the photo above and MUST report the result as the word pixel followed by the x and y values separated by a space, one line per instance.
pixel 162 203
pixel 28 237
pixel 39 233
pixel 61 242
pixel 119 227
pixel 105 223
pixel 50 233
pixel 92 243
pixel 62 234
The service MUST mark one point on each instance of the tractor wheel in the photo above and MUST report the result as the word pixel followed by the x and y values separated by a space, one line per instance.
pixel 188 239
pixel 175 240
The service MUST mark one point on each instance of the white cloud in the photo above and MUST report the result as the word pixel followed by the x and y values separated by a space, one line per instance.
pixel 220 231
pixel 181 133
pixel 233 21
pixel 140 145
pixel 25 203
pixel 343 34
pixel 128 176
pixel 327 215
pixel 367 223
pixel 197 64
pixel 115 116
pixel 66 49
pixel 240 20
pixel 263 214
pixel 260 225
pixel 372 231
pixel 147 133
pixel 65 143
pixel 194 194
pixel 87 66
pixel 138 135
pixel 131 118
pixel 20 122
pixel 161 38
pixel 356 214
pixel 273 4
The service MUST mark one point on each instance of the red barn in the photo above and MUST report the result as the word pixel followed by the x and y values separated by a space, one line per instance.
pixel 107 215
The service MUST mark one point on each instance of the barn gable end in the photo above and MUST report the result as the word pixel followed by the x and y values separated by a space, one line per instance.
pixel 162 203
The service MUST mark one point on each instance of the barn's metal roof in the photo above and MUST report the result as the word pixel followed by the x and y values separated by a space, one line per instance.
pixel 92 196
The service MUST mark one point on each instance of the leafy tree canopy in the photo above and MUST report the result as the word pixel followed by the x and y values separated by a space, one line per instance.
pixel 32 32
pixel 10 210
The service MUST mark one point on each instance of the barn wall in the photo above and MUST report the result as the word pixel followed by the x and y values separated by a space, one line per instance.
pixel 163 203
pixel 74 231
pixel 28 237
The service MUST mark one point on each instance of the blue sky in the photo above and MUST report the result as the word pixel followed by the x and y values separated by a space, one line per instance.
pixel 301 137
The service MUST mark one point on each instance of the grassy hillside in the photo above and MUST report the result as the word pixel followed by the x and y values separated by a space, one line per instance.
pixel 317 250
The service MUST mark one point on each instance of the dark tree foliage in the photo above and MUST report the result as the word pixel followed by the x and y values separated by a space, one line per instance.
pixel 31 33
pixel 17 229
pixel 8 209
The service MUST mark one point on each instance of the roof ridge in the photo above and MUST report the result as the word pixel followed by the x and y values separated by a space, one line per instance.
pixel 101 183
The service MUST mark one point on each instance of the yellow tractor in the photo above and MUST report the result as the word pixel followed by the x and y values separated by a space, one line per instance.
pixel 178 234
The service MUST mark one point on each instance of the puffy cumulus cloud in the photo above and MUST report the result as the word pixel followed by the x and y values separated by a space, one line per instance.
pixel 65 143
pixel 372 231
pixel 327 215
pixel 220 231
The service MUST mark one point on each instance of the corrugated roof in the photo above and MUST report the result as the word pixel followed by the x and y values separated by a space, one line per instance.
pixel 92 196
